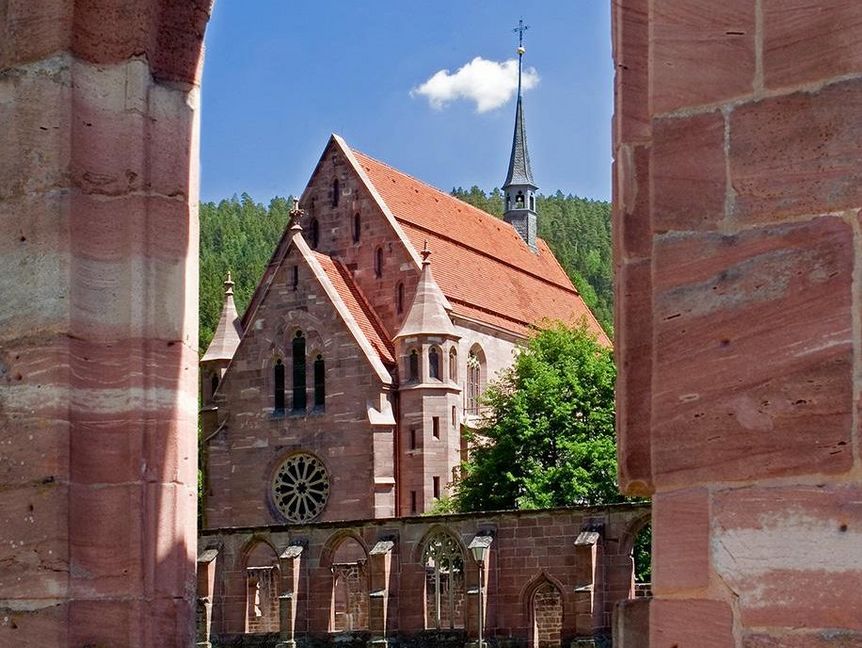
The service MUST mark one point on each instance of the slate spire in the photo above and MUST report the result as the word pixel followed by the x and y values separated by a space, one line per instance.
pixel 519 188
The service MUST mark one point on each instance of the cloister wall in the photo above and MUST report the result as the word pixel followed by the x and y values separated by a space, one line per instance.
pixel 582 555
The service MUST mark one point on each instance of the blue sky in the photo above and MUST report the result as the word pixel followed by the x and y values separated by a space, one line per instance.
pixel 280 75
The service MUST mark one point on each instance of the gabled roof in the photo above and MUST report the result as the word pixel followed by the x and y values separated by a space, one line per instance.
pixel 356 303
pixel 484 268
pixel 342 293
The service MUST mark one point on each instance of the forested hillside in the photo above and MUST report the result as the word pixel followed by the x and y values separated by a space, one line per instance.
pixel 578 230
pixel 237 235
pixel 240 235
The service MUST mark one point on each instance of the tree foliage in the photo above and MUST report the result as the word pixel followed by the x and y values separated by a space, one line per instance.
pixel 578 231
pixel 547 437
pixel 239 235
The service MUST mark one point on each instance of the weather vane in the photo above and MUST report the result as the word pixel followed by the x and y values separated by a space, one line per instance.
pixel 521 28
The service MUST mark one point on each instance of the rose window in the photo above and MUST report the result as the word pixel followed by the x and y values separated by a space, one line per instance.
pixel 300 488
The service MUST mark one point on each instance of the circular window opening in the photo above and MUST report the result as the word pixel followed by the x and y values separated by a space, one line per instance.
pixel 300 487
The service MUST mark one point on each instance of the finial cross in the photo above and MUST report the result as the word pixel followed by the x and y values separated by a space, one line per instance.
pixel 521 28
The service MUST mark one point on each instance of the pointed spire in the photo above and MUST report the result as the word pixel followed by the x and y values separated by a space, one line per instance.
pixel 228 332
pixel 519 172
pixel 427 314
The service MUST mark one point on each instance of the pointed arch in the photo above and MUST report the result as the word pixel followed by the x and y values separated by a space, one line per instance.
pixel 443 557
pixel 259 560
pixel 543 600
pixel 346 556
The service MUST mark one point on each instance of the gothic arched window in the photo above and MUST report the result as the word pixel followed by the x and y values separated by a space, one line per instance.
pixel 278 386
pixel 453 365
pixel 299 398
pixel 336 192
pixel 444 583
pixel 413 365
pixel 357 227
pixel 315 233
pixel 378 262
pixel 519 200
pixel 532 202
pixel 475 369
pixel 319 383
pixel 434 363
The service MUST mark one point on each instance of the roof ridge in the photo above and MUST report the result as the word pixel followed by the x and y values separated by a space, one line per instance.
pixel 496 221
pixel 460 243
pixel 485 309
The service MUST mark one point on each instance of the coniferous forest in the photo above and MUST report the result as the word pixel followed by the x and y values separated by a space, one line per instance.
pixel 240 235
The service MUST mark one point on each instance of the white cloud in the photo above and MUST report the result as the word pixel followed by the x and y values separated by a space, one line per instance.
pixel 489 83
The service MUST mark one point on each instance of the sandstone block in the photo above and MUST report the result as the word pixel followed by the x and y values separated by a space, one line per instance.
pixel 741 390
pixel 794 554
pixel 702 52
pixel 797 154
pixel 807 41
pixel 681 560
pixel 822 639
pixel 688 172
pixel 631 58
pixel 690 623
pixel 634 357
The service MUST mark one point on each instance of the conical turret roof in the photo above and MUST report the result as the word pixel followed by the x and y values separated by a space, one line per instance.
pixel 427 314
pixel 228 332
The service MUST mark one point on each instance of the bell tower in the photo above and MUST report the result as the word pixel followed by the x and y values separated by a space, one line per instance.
pixel 519 190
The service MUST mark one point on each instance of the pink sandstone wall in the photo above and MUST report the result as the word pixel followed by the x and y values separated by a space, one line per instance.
pixel 737 199
pixel 243 456
pixel 98 321
pixel 529 550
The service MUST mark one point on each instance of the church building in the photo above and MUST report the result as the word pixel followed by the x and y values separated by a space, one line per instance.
pixel 343 391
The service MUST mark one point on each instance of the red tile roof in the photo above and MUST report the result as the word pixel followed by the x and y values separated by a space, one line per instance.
pixel 483 266
pixel 358 306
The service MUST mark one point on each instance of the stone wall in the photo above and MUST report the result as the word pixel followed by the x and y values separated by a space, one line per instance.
pixel 533 554
pixel 737 197
pixel 253 438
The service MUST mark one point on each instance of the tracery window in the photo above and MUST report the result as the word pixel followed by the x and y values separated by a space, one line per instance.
pixel 300 487
pixel 475 362
pixel 434 363
pixel 299 397
pixel 444 583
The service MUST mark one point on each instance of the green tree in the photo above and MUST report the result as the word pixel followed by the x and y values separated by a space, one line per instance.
pixel 547 438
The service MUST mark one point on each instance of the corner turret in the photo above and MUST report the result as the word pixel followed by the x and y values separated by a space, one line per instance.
pixel 222 347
